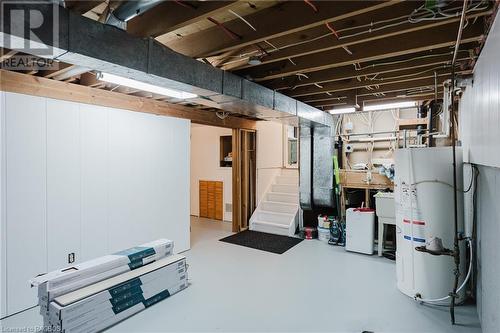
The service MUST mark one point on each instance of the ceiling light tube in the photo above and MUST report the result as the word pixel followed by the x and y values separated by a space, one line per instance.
pixel 123 81
pixel 342 110
pixel 396 105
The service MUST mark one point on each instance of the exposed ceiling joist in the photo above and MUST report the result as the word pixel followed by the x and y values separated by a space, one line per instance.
pixel 7 55
pixel 286 18
pixel 426 59
pixel 419 41
pixel 331 43
pixel 415 86
pixel 170 16
pixel 82 6
pixel 404 76
pixel 61 68
pixel 387 98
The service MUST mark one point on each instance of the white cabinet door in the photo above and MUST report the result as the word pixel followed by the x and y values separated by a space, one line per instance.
pixel 25 202
pixel 63 182
pixel 94 136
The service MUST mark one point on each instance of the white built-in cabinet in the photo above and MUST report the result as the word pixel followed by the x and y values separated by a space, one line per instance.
pixel 84 180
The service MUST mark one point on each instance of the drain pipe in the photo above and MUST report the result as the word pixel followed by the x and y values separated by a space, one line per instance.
pixel 128 10
pixel 456 248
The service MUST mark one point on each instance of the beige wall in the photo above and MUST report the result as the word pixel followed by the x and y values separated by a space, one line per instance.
pixel 205 146
pixel 379 121
pixel 269 154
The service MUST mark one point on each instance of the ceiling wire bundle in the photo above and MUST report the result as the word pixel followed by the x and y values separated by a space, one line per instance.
pixel 424 13
pixel 420 14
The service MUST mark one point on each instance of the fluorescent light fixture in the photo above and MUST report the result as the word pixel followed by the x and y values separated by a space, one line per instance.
pixel 342 110
pixel 123 81
pixel 396 105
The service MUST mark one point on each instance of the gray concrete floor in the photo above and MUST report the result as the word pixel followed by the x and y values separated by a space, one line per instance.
pixel 313 287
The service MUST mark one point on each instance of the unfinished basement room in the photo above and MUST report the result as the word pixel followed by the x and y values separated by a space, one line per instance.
pixel 250 166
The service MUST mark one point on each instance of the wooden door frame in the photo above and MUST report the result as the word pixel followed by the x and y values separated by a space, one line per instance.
pixel 237 176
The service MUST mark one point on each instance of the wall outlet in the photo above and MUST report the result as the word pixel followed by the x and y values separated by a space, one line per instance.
pixel 71 257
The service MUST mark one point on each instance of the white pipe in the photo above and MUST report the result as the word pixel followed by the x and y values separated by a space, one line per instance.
pixel 459 288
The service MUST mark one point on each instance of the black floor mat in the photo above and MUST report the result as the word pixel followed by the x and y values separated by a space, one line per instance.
pixel 262 241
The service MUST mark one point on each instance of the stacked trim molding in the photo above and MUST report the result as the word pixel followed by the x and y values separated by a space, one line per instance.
pixel 99 293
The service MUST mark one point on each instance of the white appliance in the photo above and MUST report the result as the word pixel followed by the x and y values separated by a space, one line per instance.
pixel 384 202
pixel 386 213
pixel 360 227
pixel 424 209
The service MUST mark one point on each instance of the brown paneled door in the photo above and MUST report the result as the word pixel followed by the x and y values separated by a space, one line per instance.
pixel 211 199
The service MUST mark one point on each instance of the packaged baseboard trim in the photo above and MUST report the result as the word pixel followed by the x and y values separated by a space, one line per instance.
pixel 106 320
pixel 95 288
pixel 63 281
pixel 107 302
pixel 167 276
pixel 131 256
pixel 106 309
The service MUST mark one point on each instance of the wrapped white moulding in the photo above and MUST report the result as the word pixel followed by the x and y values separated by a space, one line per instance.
pixel 65 280
pixel 105 303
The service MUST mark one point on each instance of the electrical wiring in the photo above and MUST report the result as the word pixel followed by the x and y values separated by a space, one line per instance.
pixel 418 15
pixel 406 75
pixel 242 19
pixel 358 66
pixel 450 185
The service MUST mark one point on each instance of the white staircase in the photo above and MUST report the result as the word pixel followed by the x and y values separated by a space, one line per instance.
pixel 277 213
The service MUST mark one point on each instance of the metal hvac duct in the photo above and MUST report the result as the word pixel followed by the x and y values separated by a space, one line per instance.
pixel 87 43
pixel 317 147
pixel 128 10
pixel 322 171
pixel 305 171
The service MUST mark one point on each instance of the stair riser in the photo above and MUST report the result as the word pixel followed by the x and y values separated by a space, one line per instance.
pixel 279 208
pixel 270 229
pixel 290 172
pixel 274 218
pixel 283 180
pixel 285 188
pixel 282 198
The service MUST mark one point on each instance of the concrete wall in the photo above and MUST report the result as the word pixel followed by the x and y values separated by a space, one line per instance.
pixel 480 135
pixel 84 179
pixel 269 154
pixel 205 154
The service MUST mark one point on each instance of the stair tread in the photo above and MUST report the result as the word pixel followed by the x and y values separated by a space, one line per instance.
pixel 274 224
pixel 280 203
pixel 285 193
pixel 277 213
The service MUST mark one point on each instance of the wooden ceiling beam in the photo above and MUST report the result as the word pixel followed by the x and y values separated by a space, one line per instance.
pixel 82 6
pixel 39 86
pixel 282 19
pixel 331 42
pixel 421 60
pixel 401 88
pixel 394 96
pixel 7 54
pixel 170 16
pixel 419 41
pixel 62 68
pixel 355 83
